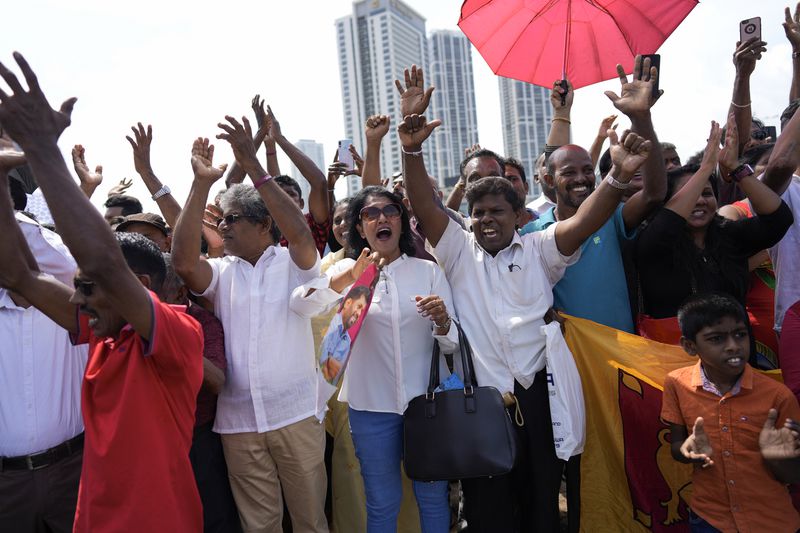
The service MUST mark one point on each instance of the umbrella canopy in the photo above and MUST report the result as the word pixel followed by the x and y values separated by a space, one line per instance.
pixel 539 41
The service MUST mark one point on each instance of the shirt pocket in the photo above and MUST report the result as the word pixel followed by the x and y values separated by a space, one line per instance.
pixel 277 284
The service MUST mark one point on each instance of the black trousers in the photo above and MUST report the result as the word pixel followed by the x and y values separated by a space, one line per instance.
pixel 211 474
pixel 41 501
pixel 526 500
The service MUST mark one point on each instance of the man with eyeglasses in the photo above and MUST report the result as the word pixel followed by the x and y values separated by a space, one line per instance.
pixel 272 437
pixel 145 357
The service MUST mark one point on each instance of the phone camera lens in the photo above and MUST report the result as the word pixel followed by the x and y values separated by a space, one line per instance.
pixel 750 28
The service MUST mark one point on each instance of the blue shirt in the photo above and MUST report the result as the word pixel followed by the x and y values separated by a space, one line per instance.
pixel 594 288
pixel 336 343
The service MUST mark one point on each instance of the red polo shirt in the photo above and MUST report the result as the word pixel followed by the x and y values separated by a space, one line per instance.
pixel 138 403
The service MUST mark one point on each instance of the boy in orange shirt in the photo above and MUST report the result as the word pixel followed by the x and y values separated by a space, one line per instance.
pixel 742 461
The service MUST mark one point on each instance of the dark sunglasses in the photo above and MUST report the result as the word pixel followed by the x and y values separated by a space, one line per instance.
pixel 230 220
pixel 372 213
pixel 83 286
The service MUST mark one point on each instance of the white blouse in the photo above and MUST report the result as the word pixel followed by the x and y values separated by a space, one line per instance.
pixel 390 359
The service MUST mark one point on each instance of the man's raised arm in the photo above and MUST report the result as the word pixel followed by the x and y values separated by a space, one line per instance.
pixel 284 212
pixel 413 132
pixel 29 119
pixel 196 272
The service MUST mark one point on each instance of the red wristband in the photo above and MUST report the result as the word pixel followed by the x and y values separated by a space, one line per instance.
pixel 262 181
pixel 271 153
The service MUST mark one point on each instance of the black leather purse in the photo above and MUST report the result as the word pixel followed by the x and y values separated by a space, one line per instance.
pixel 457 434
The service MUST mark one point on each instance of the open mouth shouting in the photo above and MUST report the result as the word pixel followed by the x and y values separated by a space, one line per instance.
pixel 384 233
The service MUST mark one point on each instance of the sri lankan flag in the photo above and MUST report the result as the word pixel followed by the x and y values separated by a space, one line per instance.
pixel 629 480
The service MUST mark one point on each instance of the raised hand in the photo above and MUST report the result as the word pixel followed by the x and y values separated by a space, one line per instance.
pixel 778 444
pixel 629 152
pixel 358 161
pixel 87 177
pixel 141 148
pixel 697 447
pixel 636 96
pixel 557 92
pixel 365 259
pixel 10 155
pixel 211 219
pixel 26 115
pixel 728 154
pixel 605 125
pixel 203 159
pixel 472 149
pixel 258 108
pixel 240 137
pixel 711 153
pixel 377 127
pixel 792 27
pixel 414 98
pixel 120 188
pixel 274 131
pixel 746 55
pixel 414 130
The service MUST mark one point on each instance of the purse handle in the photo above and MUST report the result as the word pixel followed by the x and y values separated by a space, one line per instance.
pixel 466 362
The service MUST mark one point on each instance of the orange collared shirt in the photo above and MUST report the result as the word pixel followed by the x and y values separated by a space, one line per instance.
pixel 738 492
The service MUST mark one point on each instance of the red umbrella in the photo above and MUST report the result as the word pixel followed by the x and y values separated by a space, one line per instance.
pixel 540 41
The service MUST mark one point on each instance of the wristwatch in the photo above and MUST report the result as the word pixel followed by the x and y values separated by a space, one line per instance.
pixel 163 191
pixel 741 172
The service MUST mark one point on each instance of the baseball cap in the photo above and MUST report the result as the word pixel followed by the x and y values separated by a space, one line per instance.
pixel 144 218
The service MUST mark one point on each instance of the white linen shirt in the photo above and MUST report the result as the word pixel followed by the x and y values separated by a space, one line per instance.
pixel 271 374
pixel 391 357
pixel 501 301
pixel 40 370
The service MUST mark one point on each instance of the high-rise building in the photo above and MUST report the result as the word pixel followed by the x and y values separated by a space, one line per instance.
pixel 375 44
pixel 450 71
pixel 526 115
pixel 314 151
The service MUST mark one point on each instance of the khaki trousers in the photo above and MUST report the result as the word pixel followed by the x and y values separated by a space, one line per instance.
pixel 290 458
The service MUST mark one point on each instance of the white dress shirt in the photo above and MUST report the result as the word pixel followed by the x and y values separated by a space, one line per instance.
pixel 390 359
pixel 541 204
pixel 271 375
pixel 40 370
pixel 501 301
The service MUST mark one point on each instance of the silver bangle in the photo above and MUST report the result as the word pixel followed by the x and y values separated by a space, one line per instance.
pixel 415 154
pixel 616 183
pixel 163 191
pixel 446 324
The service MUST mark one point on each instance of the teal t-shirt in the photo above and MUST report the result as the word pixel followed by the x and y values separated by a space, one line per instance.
pixel 594 288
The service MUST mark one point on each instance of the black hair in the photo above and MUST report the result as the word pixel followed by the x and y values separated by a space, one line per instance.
pixel 129 204
pixel 788 113
pixel 356 241
pixel 495 186
pixel 143 257
pixel 357 292
pixel 483 152
pixel 18 195
pixel 706 309
pixel 247 199
pixel 604 165
pixel 289 182
pixel 675 175
pixel 516 163
pixel 333 244
pixel 753 155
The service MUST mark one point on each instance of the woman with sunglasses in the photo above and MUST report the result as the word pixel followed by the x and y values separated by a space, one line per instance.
pixel 390 362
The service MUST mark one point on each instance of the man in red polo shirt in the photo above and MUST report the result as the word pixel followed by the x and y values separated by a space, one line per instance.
pixel 145 357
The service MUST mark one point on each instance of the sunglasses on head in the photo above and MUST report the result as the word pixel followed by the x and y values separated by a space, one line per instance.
pixel 389 211
pixel 230 220
pixel 83 286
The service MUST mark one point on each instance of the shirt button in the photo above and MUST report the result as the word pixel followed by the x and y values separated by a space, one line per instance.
pixel 730 482
pixel 735 509
pixel 726 453
pixel 722 400
pixel 724 428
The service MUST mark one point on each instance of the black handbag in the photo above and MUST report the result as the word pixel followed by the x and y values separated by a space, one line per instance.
pixel 457 434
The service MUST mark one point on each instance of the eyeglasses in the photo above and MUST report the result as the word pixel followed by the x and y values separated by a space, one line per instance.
pixel 372 213
pixel 83 286
pixel 230 220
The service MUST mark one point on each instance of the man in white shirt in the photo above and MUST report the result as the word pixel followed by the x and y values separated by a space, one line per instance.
pixel 546 198
pixel 271 432
pixel 41 428
pixel 502 287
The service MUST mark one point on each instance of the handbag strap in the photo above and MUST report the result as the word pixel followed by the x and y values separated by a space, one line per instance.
pixel 433 380
pixel 466 362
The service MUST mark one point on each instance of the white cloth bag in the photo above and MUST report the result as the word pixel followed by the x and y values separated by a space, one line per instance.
pixel 567 410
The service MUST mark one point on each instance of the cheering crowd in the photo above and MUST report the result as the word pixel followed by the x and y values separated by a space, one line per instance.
pixel 159 371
